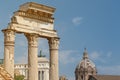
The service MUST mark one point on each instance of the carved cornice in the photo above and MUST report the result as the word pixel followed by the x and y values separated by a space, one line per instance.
pixel 54 43
pixel 38 6
pixel 32 39
pixel 39 13
pixel 42 16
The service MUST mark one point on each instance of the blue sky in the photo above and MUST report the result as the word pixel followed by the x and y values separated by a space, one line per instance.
pixel 93 24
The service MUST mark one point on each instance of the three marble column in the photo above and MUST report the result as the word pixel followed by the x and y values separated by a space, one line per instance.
pixel 9 41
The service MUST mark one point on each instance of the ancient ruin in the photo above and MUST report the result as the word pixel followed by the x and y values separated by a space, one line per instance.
pixel 34 21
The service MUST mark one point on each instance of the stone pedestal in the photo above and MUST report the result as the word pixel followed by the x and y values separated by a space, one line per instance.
pixel 53 45
pixel 32 56
pixel 9 37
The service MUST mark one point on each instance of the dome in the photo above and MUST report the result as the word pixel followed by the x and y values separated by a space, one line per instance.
pixel 85 68
pixel 85 63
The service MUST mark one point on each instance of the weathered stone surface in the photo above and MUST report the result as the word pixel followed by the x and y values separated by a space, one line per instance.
pixel 34 20
pixel 9 37
pixel 54 71
pixel 4 75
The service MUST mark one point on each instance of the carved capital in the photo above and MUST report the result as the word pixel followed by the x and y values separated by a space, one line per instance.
pixel 9 36
pixel 32 39
pixel 54 43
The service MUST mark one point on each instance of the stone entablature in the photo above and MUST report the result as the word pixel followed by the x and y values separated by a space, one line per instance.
pixel 45 17
pixel 32 18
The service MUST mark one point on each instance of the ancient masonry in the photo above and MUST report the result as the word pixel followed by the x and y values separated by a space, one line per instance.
pixel 34 21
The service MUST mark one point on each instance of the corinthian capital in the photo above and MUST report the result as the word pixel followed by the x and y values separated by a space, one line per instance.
pixel 54 43
pixel 9 35
pixel 32 39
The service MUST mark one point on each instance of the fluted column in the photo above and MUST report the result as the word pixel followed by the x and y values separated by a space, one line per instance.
pixel 53 46
pixel 9 38
pixel 32 56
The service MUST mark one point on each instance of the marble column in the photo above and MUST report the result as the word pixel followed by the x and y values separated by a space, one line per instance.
pixel 53 46
pixel 9 38
pixel 32 56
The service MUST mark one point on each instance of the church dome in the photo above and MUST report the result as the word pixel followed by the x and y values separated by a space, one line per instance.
pixel 85 62
pixel 86 66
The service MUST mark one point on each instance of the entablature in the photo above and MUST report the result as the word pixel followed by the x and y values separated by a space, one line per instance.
pixel 18 28
pixel 42 16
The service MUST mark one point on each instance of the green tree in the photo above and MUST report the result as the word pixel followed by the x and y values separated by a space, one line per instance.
pixel 19 77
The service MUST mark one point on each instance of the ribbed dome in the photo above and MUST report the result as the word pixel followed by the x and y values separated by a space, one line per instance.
pixel 85 62
pixel 85 68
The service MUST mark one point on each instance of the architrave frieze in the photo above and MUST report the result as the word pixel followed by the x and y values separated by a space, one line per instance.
pixel 20 28
pixel 36 15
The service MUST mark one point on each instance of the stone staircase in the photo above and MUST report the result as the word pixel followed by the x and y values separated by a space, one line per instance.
pixel 4 75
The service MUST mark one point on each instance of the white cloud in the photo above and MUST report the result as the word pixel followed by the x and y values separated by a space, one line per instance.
pixel 109 70
pixel 95 55
pixel 77 20
pixel 100 56
pixel 103 58
pixel 109 54
pixel 65 57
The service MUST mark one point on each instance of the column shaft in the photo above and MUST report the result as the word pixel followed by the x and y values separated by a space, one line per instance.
pixel 32 56
pixel 9 37
pixel 54 70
